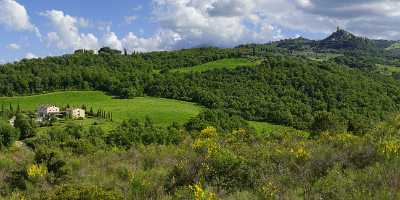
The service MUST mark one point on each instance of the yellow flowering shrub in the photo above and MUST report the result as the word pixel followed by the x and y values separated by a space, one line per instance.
pixel 35 171
pixel 269 190
pixel 17 196
pixel 199 193
pixel 209 132
pixel 207 143
pixel 210 147
pixel 300 152
pixel 390 147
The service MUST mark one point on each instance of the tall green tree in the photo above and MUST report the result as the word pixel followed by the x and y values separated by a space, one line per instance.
pixel 8 134
pixel 25 126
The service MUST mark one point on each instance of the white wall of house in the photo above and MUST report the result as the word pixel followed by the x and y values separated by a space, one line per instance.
pixel 77 113
pixel 47 110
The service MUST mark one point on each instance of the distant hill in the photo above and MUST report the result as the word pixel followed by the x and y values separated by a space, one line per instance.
pixel 343 40
pixel 340 40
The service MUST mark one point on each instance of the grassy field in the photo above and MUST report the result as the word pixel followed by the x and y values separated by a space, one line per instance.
pixel 317 56
pixel 161 111
pixel 268 128
pixel 224 63
pixel 388 70
pixel 394 46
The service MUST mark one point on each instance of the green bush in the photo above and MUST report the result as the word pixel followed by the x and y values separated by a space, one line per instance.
pixel 8 135
pixel 82 192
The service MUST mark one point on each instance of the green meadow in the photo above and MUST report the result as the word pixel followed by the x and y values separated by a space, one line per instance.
pixel 387 69
pixel 219 64
pixel 394 46
pixel 266 128
pixel 161 111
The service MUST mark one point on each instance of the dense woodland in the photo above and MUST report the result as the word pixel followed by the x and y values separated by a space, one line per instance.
pixel 348 108
pixel 287 91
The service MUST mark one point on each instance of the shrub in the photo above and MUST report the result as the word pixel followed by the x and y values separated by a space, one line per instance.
pixel 222 121
pixel 8 135
pixel 326 121
pixel 82 192
pixel 25 126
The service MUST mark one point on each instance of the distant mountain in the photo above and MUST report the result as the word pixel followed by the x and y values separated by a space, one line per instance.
pixel 344 40
pixel 341 40
pixel 340 35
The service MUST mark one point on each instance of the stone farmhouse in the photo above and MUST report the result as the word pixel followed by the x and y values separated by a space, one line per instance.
pixel 47 110
pixel 76 113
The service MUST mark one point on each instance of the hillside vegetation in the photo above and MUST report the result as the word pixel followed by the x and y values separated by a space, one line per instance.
pixel 219 64
pixel 287 91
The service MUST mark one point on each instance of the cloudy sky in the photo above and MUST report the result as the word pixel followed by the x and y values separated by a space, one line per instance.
pixel 31 29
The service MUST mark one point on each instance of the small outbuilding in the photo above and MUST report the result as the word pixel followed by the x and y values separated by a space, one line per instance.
pixel 12 121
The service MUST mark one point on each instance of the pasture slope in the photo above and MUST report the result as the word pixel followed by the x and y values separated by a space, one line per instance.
pixel 230 63
pixel 161 111
pixel 265 128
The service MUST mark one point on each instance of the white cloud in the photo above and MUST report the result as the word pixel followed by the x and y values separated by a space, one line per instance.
pixel 30 56
pixel 82 22
pixel 219 23
pixel 372 18
pixel 163 40
pixel 15 17
pixel 67 34
pixel 111 40
pixel 231 22
pixel 130 19
pixel 13 46
pixel 231 8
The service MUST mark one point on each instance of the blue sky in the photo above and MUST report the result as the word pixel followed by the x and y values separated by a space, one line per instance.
pixel 46 27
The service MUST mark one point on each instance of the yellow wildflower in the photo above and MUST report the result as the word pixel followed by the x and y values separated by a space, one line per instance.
pixel 36 171
pixel 209 132
pixel 391 147
pixel 270 190
pixel 201 194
